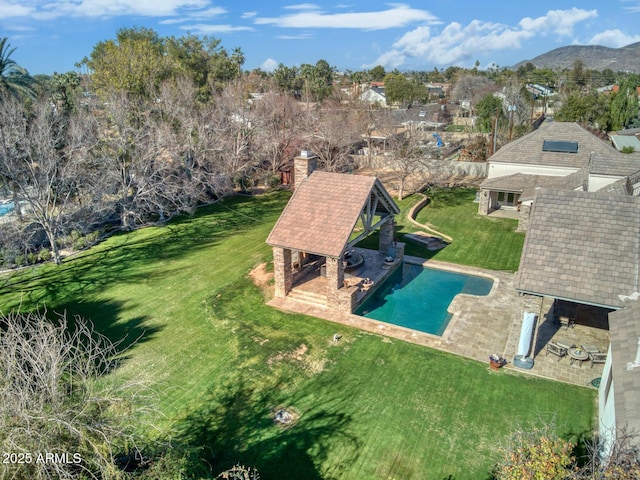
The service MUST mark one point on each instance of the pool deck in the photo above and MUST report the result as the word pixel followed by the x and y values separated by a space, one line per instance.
pixel 484 325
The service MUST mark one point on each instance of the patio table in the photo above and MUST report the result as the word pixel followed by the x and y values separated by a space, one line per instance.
pixel 577 355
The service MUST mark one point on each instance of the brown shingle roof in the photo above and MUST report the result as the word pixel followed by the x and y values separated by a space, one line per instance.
pixel 323 212
pixel 528 149
pixel 582 246
pixel 624 330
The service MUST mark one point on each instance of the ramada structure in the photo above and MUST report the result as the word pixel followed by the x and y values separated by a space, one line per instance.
pixel 313 240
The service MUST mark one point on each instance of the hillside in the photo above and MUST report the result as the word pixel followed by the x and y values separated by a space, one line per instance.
pixel 594 57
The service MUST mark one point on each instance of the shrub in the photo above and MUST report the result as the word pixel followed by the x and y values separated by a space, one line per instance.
pixel 536 454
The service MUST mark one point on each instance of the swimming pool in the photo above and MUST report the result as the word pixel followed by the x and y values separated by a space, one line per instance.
pixel 6 208
pixel 418 297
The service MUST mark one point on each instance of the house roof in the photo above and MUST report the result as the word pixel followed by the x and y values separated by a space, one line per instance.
pixel 527 184
pixel 582 247
pixel 624 330
pixel 324 210
pixel 614 164
pixel 528 149
pixel 621 141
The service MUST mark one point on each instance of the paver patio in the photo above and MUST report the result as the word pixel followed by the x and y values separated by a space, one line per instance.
pixel 481 326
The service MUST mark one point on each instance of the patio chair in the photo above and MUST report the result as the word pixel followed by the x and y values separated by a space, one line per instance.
pixel 556 349
pixel 597 358
pixel 566 322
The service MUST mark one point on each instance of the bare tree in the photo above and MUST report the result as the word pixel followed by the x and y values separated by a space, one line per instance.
pixel 471 88
pixel 60 414
pixel 46 161
pixel 336 131
pixel 280 123
pixel 232 122
pixel 413 156
pixel 148 158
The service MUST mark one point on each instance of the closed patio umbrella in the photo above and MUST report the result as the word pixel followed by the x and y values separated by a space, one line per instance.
pixel 521 360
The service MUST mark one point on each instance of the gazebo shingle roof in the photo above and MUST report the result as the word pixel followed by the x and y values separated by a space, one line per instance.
pixel 582 246
pixel 323 212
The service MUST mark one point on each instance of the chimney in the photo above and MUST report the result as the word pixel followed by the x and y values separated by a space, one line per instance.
pixel 636 362
pixel 303 166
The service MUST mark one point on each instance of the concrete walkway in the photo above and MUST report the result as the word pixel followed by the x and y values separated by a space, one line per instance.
pixel 481 326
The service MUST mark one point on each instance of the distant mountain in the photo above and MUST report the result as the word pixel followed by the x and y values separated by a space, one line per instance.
pixel 595 57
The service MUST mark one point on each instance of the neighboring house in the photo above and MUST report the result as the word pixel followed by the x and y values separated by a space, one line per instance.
pixel 375 95
pixel 560 155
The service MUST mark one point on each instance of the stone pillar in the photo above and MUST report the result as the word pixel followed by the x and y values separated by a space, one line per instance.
pixel 335 274
pixel 386 236
pixel 483 207
pixel 523 218
pixel 282 271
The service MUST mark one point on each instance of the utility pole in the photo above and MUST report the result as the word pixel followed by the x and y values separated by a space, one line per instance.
pixel 512 108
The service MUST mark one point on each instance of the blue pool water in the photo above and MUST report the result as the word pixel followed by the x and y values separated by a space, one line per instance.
pixel 419 298
pixel 6 208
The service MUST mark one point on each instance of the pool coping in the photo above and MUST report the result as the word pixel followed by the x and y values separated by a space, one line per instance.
pixel 454 314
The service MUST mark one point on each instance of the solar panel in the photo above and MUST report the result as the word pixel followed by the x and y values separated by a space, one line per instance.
pixel 560 146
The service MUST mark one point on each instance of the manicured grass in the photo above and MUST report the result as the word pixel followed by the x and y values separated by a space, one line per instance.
pixel 222 362
pixel 478 241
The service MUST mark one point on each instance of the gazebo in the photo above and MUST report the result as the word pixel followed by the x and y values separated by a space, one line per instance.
pixel 328 214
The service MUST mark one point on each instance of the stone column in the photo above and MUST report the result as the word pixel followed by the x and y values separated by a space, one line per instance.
pixel 386 236
pixel 282 271
pixel 483 207
pixel 335 274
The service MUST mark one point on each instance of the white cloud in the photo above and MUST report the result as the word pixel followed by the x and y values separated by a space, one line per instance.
pixel 195 16
pixel 303 6
pixel 458 44
pixel 397 16
pixel 12 10
pixel 302 36
pixel 246 15
pixel 269 65
pixel 99 8
pixel 613 39
pixel 207 29
pixel 560 22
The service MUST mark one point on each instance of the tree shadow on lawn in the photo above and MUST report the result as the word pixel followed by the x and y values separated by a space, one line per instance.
pixel 106 317
pixel 236 425
pixel 126 257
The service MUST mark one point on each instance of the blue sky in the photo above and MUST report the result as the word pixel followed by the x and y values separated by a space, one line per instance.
pixel 53 35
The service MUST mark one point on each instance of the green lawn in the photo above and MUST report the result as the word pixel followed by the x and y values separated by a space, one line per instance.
pixel 478 241
pixel 222 361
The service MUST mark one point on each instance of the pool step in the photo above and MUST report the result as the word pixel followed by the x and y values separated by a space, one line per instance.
pixel 312 298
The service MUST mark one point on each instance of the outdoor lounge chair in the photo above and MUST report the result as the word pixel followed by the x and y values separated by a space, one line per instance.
pixel 597 358
pixel 556 349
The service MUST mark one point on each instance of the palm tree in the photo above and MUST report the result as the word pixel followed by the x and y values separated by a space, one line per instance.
pixel 14 80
